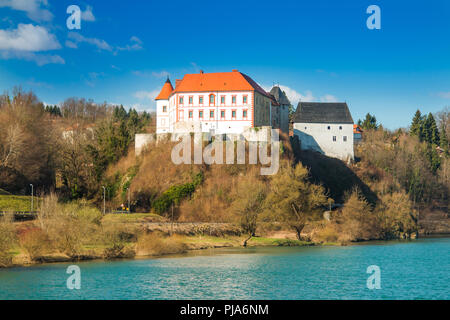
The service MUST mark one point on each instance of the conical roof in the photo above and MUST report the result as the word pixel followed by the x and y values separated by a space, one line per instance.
pixel 165 91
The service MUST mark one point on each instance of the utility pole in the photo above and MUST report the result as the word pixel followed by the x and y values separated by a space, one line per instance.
pixel 32 200
pixel 171 232
pixel 104 200
pixel 129 208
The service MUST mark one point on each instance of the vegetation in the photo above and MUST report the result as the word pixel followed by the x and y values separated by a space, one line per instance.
pixel 78 147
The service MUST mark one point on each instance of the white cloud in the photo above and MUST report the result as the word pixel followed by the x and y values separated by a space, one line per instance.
pixel 295 97
pixel 35 9
pixel 88 15
pixel 150 95
pixel 28 37
pixel 444 95
pixel 26 41
pixel 70 44
pixel 135 44
pixel 78 38
pixel 39 59
pixel 328 98
pixel 162 74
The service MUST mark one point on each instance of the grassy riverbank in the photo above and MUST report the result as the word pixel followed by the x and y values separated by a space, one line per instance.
pixel 155 245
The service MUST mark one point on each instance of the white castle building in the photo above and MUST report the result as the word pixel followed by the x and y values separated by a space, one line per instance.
pixel 326 128
pixel 219 103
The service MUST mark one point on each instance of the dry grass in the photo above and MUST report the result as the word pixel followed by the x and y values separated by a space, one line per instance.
pixel 155 244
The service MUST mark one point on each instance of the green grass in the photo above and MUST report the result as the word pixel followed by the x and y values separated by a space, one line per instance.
pixel 17 203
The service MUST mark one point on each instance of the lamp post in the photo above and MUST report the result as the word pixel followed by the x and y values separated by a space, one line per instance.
pixel 129 209
pixel 104 199
pixel 32 204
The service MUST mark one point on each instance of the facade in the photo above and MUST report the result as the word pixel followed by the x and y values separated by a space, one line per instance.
pixel 280 111
pixel 217 103
pixel 326 128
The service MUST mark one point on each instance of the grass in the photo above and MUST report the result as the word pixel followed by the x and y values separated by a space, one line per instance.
pixel 133 217
pixel 17 203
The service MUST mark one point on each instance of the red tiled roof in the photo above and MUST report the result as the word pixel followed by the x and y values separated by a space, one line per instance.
pixel 219 81
pixel 165 91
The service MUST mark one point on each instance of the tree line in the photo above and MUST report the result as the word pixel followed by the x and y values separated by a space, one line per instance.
pixel 66 147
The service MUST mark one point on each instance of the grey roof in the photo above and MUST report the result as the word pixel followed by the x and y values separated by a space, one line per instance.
pixel 322 112
pixel 280 95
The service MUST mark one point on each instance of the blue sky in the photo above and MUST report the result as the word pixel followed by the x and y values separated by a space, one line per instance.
pixel 316 50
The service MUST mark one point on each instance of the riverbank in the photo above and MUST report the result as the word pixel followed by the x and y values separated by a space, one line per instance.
pixel 160 245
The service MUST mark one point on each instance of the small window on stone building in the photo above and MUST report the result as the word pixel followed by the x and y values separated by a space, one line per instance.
pixel 329 128
pixel 345 138
pixel 340 127
pixel 334 138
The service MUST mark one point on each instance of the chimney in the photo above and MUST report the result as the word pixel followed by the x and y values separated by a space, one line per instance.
pixel 177 82
pixel 235 70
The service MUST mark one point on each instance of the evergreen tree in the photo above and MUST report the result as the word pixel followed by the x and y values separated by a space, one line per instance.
pixel 417 125
pixel 431 132
pixel 370 122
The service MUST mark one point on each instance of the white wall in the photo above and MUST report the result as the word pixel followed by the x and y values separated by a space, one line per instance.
pixel 317 136
pixel 228 124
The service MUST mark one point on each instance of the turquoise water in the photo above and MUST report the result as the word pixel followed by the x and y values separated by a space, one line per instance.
pixel 409 270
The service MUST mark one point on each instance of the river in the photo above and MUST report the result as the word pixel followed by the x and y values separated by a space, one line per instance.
pixel 418 269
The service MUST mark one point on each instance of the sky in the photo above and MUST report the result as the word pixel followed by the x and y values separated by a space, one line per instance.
pixel 318 50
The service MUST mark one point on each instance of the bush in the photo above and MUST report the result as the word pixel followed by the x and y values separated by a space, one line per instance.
pixel 157 244
pixel 35 242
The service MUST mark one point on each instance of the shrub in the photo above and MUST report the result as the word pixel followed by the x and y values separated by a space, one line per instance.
pixel 157 244
pixel 35 242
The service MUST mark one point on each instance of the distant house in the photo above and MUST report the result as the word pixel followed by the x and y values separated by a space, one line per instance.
pixel 357 134
pixel 326 128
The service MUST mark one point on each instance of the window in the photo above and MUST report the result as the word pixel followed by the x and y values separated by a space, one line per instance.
pixel 329 128
pixel 233 114
pixel 222 99
pixel 191 99
pixel 200 114
pixel 211 114
pixel 244 114
pixel 340 127
pixel 181 100
pixel 233 99
pixel 200 100
pixel 306 128
pixel 334 138
pixel 211 99
pixel 222 114
pixel 244 99
pixel 345 138
pixel 191 114
pixel 164 108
